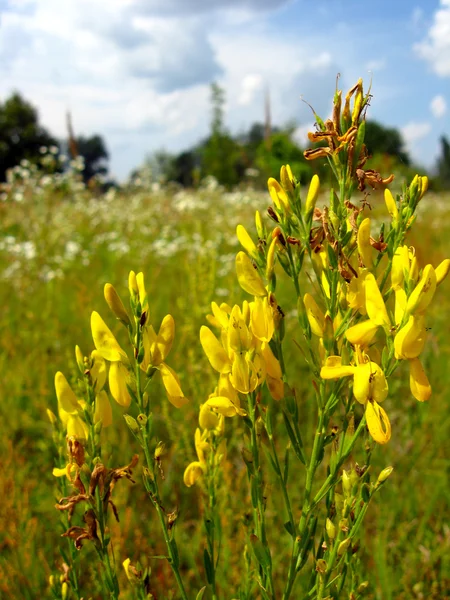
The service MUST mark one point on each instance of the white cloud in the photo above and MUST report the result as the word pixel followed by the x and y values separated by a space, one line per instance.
pixel 251 85
pixel 435 48
pixel 413 132
pixel 438 106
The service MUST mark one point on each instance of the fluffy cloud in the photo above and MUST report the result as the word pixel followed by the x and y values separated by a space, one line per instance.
pixel 413 133
pixel 435 48
pixel 438 106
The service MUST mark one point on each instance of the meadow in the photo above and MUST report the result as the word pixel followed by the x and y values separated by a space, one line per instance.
pixel 59 244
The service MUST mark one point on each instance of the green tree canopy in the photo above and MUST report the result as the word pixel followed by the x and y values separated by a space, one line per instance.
pixel 386 140
pixel 21 135
pixel 93 150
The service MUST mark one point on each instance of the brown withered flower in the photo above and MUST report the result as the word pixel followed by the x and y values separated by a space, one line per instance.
pixel 344 133
pixel 79 534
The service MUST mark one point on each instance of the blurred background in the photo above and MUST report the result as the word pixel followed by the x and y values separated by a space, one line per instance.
pixel 136 134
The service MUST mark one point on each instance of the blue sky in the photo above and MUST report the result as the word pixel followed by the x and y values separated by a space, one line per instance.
pixel 138 71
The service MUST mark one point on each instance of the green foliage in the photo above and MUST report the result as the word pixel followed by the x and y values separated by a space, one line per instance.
pixel 21 136
pixel 95 155
pixel 443 164
pixel 221 154
pixel 386 140
pixel 279 150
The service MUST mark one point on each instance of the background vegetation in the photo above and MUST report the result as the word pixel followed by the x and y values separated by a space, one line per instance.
pixel 61 240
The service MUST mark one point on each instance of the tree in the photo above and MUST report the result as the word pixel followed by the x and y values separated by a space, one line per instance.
pixel 283 150
pixel 443 163
pixel 222 155
pixel 385 140
pixel 95 155
pixel 21 135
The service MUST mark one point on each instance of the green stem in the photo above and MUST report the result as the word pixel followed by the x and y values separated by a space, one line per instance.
pixel 156 501
pixel 292 573
pixel 258 510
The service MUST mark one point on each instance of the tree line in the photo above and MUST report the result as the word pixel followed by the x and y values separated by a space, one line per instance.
pixel 254 154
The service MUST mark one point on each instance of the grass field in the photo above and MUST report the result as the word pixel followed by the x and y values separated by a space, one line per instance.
pixel 56 252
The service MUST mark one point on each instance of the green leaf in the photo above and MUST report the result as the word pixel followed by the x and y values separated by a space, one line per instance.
pixel 288 527
pixel 260 551
pixel 201 593
pixel 209 567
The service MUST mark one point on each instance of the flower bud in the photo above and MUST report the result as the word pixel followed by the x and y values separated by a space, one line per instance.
pixel 343 546
pixel 115 304
pixel 385 473
pixel 142 420
pixel 259 226
pixel 79 357
pixel 51 417
pixel 331 529
pixel 132 424
pixel 312 196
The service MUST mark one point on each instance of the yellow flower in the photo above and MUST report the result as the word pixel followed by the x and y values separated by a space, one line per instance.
pixel 410 340
pixel 172 386
pixel 311 198
pixel 418 381
pixel 115 304
pixel 119 378
pixel 196 469
pixel 157 347
pixel 261 319
pixel 369 388
pixel 314 314
pixel 278 195
pixel 103 411
pixel 246 241
pixel 98 370
pixel 104 340
pixel 214 350
pixel 375 306
pixel 363 241
pixel 423 293
pixel 248 277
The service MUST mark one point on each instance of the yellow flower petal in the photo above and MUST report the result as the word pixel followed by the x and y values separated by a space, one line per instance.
pixel 378 423
pixel 278 195
pixel 400 305
pixel 375 306
pixel 361 333
pixel 208 418
pixel 77 428
pixel 163 341
pixel 442 270
pixel 313 193
pixel 192 473
pixel 410 340
pixel 315 316
pixel 246 241
pixel 67 401
pixel 172 385
pixel 370 384
pixel 364 247
pixel 224 406
pixel 333 368
pixel 115 304
pixel 104 340
pixel 220 314
pixel 248 277
pixel 214 350
pixel 103 411
pixel 424 291
pixel 400 267
pixel 98 370
pixel 261 319
pixel 391 204
pixel 418 381
pixel 119 377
